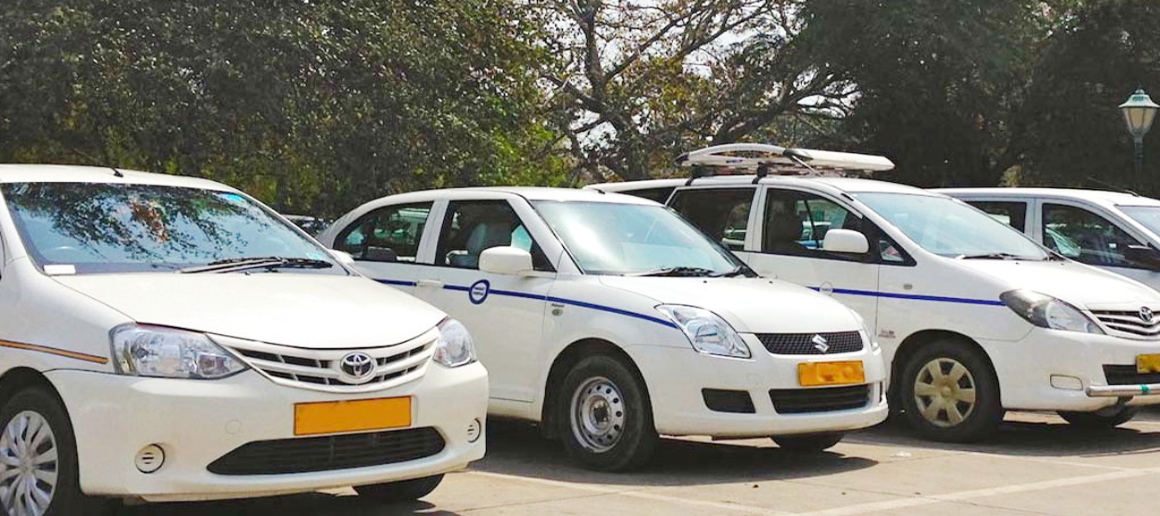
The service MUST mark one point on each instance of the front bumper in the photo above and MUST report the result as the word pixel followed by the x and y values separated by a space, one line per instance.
pixel 196 422
pixel 1062 370
pixel 676 376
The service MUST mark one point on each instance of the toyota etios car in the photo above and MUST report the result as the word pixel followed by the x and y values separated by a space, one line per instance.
pixel 167 338
pixel 609 319
pixel 975 317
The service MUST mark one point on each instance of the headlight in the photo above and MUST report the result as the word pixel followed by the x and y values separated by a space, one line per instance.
pixel 1048 312
pixel 867 335
pixel 455 347
pixel 707 332
pixel 169 353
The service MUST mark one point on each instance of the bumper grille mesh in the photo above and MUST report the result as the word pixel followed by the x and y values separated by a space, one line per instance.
pixel 830 399
pixel 286 456
pixel 803 343
pixel 1127 375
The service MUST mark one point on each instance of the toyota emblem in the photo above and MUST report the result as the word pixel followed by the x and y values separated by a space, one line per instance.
pixel 1146 314
pixel 820 343
pixel 357 367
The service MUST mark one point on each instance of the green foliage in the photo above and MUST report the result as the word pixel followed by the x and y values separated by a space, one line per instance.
pixel 313 106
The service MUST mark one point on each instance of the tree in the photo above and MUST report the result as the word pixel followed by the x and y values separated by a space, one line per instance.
pixel 314 106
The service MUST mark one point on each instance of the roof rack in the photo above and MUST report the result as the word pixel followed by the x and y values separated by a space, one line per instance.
pixel 764 159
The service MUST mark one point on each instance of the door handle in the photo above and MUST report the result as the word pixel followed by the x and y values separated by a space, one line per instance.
pixel 429 283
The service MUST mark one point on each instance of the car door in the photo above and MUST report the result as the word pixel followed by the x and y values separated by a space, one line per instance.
pixel 385 243
pixel 792 225
pixel 503 313
pixel 1082 234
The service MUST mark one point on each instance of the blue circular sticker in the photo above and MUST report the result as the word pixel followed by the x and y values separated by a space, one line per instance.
pixel 478 292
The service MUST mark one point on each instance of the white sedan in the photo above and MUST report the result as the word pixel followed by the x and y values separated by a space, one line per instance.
pixel 609 320
pixel 166 338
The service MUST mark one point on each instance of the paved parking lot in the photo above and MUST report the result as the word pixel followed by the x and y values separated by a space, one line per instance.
pixel 1037 465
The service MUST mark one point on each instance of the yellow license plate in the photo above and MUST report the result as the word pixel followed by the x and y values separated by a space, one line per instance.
pixel 848 372
pixel 1148 364
pixel 351 416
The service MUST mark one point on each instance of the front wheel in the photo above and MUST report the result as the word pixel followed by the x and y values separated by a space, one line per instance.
pixel 605 417
pixel 398 492
pixel 812 443
pixel 1100 420
pixel 949 393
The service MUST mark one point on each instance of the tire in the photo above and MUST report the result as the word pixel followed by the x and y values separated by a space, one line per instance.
pixel 604 416
pixel 949 393
pixel 1100 420
pixel 399 492
pixel 811 443
pixel 34 413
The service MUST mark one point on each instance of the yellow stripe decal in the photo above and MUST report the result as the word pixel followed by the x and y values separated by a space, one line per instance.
pixel 54 351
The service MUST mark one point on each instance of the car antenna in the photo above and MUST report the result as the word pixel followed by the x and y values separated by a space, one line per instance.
pixel 1110 186
pixel 116 172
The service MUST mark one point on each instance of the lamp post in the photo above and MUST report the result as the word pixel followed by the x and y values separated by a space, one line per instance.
pixel 1139 111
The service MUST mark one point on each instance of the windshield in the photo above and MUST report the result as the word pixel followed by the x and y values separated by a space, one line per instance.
pixel 628 239
pixel 96 228
pixel 1149 216
pixel 951 228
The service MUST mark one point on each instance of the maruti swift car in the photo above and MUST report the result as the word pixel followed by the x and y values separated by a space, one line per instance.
pixel 166 338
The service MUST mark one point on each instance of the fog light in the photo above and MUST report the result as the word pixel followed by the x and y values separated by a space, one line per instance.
pixel 474 430
pixel 150 458
pixel 1067 383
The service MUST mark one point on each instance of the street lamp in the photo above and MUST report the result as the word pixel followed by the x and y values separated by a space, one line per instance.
pixel 1139 111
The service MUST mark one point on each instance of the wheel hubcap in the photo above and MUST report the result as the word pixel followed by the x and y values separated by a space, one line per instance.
pixel 28 465
pixel 944 392
pixel 598 414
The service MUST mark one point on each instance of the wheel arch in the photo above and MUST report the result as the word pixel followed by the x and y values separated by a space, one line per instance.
pixel 571 355
pixel 912 343
pixel 18 378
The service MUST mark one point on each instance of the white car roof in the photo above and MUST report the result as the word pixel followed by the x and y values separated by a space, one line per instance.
pixel 843 184
pixel 1102 197
pixel 80 174
pixel 527 192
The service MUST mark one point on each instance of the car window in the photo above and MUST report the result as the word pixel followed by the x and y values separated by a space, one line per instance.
pixel 1013 214
pixel 389 234
pixel 722 213
pixel 796 224
pixel 472 227
pixel 1085 236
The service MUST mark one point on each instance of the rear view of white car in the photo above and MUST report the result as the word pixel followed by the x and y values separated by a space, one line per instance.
pixel 974 318
pixel 166 338
pixel 609 320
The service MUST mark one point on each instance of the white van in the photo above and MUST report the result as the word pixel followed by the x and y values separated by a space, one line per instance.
pixel 610 320
pixel 167 338
pixel 1119 232
pixel 974 317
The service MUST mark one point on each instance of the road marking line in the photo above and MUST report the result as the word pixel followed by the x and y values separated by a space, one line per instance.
pixel 634 494
pixel 894 505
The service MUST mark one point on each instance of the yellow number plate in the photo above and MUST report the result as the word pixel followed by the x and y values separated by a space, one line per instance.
pixel 812 374
pixel 351 416
pixel 1148 364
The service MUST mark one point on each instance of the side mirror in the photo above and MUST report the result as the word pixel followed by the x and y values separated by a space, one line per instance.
pixel 509 261
pixel 1143 255
pixel 845 241
pixel 343 257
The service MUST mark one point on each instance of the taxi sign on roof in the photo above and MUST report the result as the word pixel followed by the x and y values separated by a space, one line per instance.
pixel 775 159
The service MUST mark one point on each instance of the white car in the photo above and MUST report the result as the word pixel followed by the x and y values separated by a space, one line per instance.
pixel 973 316
pixel 1115 231
pixel 166 338
pixel 610 320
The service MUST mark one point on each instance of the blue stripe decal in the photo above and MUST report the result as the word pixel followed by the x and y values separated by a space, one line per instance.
pixel 871 293
pixel 457 288
pixel 397 282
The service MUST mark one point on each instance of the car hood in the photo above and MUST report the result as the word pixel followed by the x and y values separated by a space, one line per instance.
pixel 1070 281
pixel 302 310
pixel 750 305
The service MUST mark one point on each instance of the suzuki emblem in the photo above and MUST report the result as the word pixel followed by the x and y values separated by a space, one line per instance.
pixel 820 343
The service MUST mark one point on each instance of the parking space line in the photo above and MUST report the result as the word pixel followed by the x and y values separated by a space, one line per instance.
pixel 962 496
pixel 635 494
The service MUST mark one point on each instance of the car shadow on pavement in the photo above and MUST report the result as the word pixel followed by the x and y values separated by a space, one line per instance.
pixel 518 449
pixel 1036 435
pixel 313 504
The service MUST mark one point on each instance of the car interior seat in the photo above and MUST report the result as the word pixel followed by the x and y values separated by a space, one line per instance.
pixel 483 236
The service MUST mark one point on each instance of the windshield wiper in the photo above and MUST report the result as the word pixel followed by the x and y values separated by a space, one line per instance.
pixel 675 271
pixel 990 256
pixel 264 262
pixel 737 271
